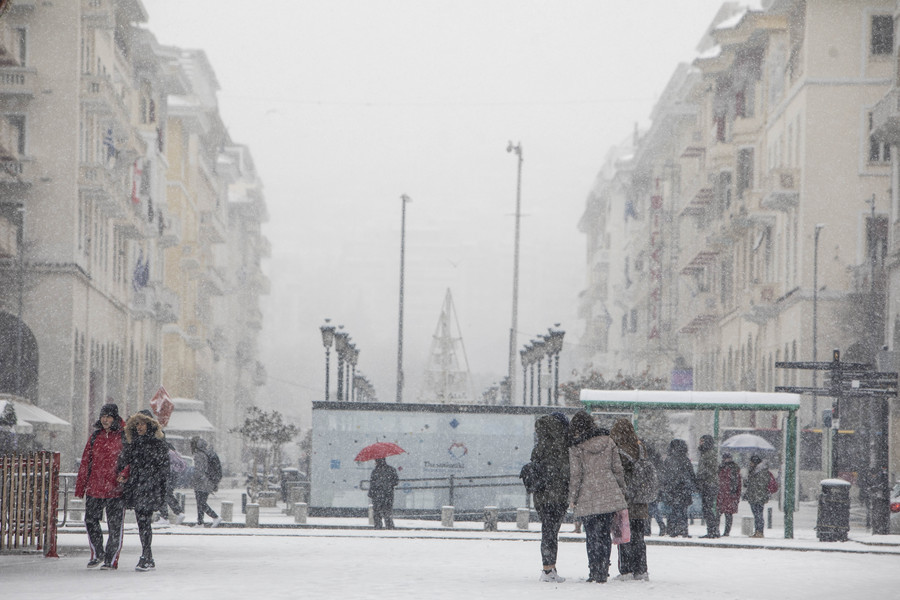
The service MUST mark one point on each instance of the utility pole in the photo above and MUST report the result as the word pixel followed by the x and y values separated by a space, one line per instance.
pixel 404 200
pixel 511 375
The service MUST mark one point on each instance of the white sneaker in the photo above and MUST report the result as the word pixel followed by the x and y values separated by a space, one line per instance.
pixel 179 518
pixel 161 521
pixel 641 577
pixel 624 577
pixel 552 576
pixel 216 522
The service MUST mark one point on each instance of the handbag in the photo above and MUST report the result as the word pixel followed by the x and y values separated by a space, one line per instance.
pixel 621 527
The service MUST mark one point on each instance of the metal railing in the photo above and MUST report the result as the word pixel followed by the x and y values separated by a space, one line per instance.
pixel 29 498
pixel 453 483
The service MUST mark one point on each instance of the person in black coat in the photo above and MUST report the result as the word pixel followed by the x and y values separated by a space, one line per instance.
pixel 551 451
pixel 381 490
pixel 678 485
pixel 144 468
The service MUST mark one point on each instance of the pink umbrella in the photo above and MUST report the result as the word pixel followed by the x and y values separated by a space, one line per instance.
pixel 378 450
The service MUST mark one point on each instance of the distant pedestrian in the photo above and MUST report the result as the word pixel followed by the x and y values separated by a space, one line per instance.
pixel 143 469
pixel 729 490
pixel 708 484
pixel 655 507
pixel 677 487
pixel 640 484
pixel 204 479
pixel 596 484
pixel 97 483
pixel 756 492
pixel 551 453
pixel 381 491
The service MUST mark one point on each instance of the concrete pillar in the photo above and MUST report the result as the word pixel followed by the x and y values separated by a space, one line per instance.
pixel 252 519
pixel 301 512
pixel 371 516
pixel 747 526
pixel 523 516
pixel 76 510
pixel 227 511
pixel 491 517
pixel 447 516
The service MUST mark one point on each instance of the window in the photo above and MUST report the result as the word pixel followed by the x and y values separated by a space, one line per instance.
pixel 17 125
pixel 20 45
pixel 634 321
pixel 882 41
pixel 744 171
pixel 879 152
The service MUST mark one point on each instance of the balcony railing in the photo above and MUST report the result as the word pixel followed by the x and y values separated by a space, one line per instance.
pixel 212 227
pixel 16 81
pixel 16 173
pixel 105 187
pixel 699 311
pixel 781 189
pixel 886 117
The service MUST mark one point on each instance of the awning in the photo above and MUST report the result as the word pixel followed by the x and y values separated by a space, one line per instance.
pixel 36 417
pixel 188 420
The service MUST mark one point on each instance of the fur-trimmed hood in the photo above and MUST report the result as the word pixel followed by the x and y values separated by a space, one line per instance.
pixel 153 428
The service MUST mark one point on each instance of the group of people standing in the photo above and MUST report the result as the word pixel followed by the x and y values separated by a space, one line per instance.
pixel 598 472
pixel 719 485
pixel 590 470
pixel 126 465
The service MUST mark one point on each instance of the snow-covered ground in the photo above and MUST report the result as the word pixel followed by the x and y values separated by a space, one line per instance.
pixel 422 560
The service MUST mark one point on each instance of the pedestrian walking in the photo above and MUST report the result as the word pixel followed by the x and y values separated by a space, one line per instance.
pixel 551 454
pixel 655 508
pixel 756 492
pixel 596 481
pixel 205 479
pixel 677 487
pixel 729 490
pixel 708 484
pixel 176 467
pixel 381 491
pixel 143 469
pixel 640 488
pixel 98 484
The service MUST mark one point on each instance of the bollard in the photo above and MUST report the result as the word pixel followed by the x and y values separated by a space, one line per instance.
pixel 179 497
pixel 523 516
pixel 76 509
pixel 252 519
pixel 227 511
pixel 747 526
pixel 769 521
pixel 244 503
pixel 491 516
pixel 371 516
pixel 447 516
pixel 301 511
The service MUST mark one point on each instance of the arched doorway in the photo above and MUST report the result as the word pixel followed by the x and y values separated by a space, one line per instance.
pixel 18 358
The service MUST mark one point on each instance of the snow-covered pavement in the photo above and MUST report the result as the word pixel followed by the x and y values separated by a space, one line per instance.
pixel 280 563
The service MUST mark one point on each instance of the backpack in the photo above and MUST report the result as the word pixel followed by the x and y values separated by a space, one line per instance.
pixel 643 485
pixel 214 468
pixel 535 477
pixel 772 486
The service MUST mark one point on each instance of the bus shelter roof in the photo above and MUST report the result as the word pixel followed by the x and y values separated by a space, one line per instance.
pixel 689 400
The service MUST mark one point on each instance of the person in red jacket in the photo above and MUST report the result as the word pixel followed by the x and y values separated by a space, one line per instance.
pixel 97 483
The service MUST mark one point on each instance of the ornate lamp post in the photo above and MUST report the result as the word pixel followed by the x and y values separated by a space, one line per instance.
pixel 341 343
pixel 352 358
pixel 540 349
pixel 327 339
pixel 554 341
pixel 529 356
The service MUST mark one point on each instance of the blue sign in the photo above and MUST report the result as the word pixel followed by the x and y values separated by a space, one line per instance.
pixel 335 463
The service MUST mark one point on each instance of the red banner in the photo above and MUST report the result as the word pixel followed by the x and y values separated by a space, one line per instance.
pixel 162 406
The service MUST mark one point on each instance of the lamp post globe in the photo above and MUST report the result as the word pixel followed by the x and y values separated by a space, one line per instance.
pixel 327 340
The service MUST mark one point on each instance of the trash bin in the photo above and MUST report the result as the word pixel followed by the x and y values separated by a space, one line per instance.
pixel 833 519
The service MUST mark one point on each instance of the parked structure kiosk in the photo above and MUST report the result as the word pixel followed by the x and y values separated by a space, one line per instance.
pixel 635 400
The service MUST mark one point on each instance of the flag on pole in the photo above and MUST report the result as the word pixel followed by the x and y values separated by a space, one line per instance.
pixel 162 406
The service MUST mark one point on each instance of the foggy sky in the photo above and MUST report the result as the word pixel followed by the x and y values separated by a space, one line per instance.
pixel 346 106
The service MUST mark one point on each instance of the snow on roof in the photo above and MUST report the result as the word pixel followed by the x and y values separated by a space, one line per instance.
pixel 691 399
pixel 733 19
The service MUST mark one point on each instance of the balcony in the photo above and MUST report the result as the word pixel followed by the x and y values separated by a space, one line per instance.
pixel 16 81
pixel 261 283
pixel 886 118
pixel 105 188
pixel 696 196
pixel 781 190
pixel 9 141
pixel 190 261
pixel 212 228
pixel 17 174
pixel 98 13
pixel 171 233
pixel 8 47
pixel 142 302
pixel 265 247
pixel 699 311
pixel 762 302
pixel 99 95
pixel 132 225
pixel 212 280
pixel 721 156
pixel 168 305
pixel 254 318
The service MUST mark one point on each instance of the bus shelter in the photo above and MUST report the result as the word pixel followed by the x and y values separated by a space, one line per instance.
pixel 636 400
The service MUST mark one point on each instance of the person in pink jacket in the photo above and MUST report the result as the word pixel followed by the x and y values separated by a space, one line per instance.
pixel 97 483
pixel 596 484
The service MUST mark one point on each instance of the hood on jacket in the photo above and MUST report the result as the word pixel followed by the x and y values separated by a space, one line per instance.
pixel 678 447
pixel 199 444
pixel 153 428
pixel 707 443
pixel 550 429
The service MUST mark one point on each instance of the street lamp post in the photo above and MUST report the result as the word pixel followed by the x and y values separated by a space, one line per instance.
pixel 327 339
pixel 523 354
pixel 826 433
pixel 404 200
pixel 341 341
pixel 554 344
pixel 529 351
pixel 539 351
pixel 517 148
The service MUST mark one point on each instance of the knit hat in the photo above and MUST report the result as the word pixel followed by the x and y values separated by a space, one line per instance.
pixel 726 455
pixel 561 418
pixel 755 459
pixel 110 409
